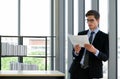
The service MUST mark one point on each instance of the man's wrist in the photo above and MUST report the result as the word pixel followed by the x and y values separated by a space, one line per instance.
pixel 76 53
pixel 97 52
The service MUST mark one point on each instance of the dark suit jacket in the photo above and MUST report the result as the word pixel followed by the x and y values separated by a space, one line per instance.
pixel 100 42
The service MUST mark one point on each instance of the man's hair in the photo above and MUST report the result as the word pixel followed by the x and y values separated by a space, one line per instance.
pixel 94 13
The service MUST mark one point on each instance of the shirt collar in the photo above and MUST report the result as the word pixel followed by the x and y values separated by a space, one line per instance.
pixel 95 30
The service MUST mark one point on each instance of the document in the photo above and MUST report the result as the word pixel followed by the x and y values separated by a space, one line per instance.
pixel 78 39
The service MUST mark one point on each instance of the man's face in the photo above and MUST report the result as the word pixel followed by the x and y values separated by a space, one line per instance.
pixel 92 22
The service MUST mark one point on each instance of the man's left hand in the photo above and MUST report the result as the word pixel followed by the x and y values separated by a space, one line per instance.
pixel 90 48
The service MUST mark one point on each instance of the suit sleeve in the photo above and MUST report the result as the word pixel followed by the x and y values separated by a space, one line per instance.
pixel 104 54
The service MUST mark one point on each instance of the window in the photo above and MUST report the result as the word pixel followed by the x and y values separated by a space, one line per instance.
pixel 30 18
pixel 35 17
pixel 118 38
pixel 8 17
pixel 8 21
pixel 76 17
pixel 103 25
pixel 87 8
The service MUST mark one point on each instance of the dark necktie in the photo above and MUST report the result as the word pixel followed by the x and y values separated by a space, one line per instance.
pixel 86 58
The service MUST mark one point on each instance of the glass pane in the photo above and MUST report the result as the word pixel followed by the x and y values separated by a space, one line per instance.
pixel 118 30
pixel 75 17
pixel 49 63
pixel 39 62
pixel 8 17
pixel 103 25
pixel 87 5
pixel 9 46
pixel 35 17
pixel 37 46
pixel 103 9
pixel 66 40
pixel 5 62
pixel 8 49
pixel 87 8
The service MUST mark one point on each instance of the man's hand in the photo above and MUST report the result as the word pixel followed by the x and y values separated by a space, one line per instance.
pixel 90 48
pixel 77 48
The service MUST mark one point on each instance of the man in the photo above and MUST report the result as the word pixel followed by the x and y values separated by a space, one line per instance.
pixel 97 51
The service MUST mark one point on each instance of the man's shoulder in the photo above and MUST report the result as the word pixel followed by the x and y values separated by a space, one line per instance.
pixel 103 33
pixel 83 32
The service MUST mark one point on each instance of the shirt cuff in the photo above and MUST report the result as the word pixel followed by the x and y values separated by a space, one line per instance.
pixel 97 53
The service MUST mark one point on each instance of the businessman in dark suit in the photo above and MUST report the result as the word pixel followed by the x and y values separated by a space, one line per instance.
pixel 97 51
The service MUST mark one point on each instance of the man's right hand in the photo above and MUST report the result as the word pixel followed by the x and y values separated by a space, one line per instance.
pixel 77 48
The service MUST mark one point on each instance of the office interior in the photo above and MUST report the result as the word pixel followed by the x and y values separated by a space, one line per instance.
pixel 45 24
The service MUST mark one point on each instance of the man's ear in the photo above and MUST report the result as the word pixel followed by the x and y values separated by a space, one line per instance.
pixel 98 20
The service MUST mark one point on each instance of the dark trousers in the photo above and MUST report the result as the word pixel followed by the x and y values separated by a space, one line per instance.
pixel 80 73
pixel 81 77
